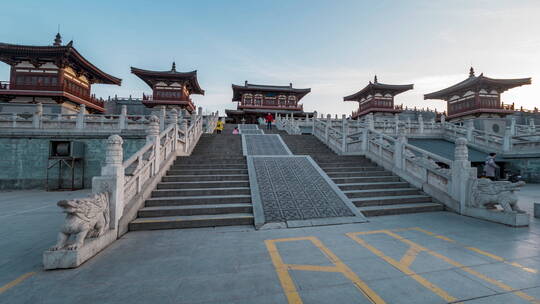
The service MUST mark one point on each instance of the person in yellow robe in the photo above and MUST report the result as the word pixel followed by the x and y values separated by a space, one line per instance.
pixel 219 126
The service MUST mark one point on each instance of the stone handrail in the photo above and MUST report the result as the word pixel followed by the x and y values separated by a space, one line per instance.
pixel 80 121
pixel 131 181
pixel 210 122
pixel 432 173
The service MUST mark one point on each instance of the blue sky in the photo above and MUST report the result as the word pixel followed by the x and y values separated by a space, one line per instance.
pixel 333 47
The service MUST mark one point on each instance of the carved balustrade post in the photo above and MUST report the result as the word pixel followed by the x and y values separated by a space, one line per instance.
pixel 396 122
pixel 174 121
pixel 399 147
pixel 199 111
pixel 13 120
pixel 370 121
pixel 185 130
pixel 111 179
pixel 344 133
pixel 421 124
pixel 507 140
pixel 162 117
pixel 37 117
pixel 443 119
pixel 513 126
pixel 327 128
pixel 469 124
pixel 364 146
pixel 152 136
pixel 79 124
pixel 532 127
pixel 463 175
pixel 314 118
pixel 122 122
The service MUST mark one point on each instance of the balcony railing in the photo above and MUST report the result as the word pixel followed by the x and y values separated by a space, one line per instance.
pixel 266 105
pixel 4 85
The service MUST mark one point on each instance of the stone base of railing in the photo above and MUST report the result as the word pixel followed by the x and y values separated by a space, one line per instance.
pixel 506 218
pixel 62 259
pixel 137 202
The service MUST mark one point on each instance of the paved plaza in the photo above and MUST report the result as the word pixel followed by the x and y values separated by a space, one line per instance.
pixel 436 257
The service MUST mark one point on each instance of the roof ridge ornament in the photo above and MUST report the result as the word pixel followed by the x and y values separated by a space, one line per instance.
pixel 471 72
pixel 375 79
pixel 57 40
pixel 245 83
pixel 173 68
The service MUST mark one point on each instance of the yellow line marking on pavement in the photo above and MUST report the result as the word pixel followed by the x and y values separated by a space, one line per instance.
pixel 403 266
pixel 409 256
pixel 479 251
pixel 405 269
pixel 16 281
pixel 501 259
pixel 282 269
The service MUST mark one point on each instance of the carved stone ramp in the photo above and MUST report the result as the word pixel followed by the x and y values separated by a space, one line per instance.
pixel 292 191
pixel 270 144
pixel 371 188
pixel 248 127
pixel 251 131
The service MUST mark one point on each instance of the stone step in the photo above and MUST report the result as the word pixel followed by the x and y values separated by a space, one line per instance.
pixel 376 185
pixel 208 172
pixel 381 192
pixel 195 210
pixel 203 184
pixel 347 164
pixel 358 174
pixel 390 200
pixel 197 200
pixel 239 165
pixel 194 221
pixel 336 159
pixel 352 169
pixel 400 209
pixel 188 178
pixel 201 192
pixel 203 160
pixel 365 179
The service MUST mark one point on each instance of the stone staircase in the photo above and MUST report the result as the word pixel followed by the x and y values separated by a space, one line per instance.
pixel 372 189
pixel 209 188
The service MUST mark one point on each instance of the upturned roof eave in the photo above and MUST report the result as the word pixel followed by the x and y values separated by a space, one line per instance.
pixel 397 88
pixel 64 50
pixel 507 84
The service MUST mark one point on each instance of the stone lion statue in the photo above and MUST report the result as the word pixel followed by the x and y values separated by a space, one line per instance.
pixel 487 194
pixel 85 218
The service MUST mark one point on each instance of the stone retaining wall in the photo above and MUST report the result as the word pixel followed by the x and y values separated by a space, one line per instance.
pixel 24 156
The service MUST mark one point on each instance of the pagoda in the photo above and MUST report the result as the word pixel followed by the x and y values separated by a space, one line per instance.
pixel 377 98
pixel 477 96
pixel 256 100
pixel 170 88
pixel 52 74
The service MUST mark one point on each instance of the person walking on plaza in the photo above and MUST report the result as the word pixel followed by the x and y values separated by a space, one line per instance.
pixel 490 167
pixel 219 126
pixel 269 118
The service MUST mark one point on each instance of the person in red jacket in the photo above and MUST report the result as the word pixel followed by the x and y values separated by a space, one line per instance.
pixel 269 118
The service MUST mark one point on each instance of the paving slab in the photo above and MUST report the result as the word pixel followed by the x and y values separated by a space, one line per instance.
pixel 235 264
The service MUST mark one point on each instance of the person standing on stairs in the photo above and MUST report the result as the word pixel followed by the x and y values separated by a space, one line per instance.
pixel 219 126
pixel 235 131
pixel 269 118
